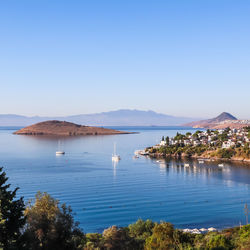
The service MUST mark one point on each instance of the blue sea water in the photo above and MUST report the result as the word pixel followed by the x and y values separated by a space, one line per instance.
pixel 102 194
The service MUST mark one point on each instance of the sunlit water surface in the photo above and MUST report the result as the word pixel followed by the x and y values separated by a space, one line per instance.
pixel 102 194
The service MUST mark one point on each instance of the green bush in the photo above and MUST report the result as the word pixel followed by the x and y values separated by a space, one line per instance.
pixel 217 241
pixel 161 238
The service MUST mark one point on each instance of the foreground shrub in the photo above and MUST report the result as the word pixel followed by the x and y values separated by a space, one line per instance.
pixel 50 226
pixel 242 238
pixel 118 238
pixel 162 237
pixel 217 241
pixel 94 241
pixel 141 230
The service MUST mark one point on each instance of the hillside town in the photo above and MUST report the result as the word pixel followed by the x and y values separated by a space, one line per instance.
pixel 223 143
pixel 226 137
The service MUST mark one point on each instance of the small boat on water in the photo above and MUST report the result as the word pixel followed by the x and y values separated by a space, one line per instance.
pixel 115 157
pixel 201 162
pixel 160 161
pixel 141 152
pixel 221 165
pixel 186 165
pixel 59 151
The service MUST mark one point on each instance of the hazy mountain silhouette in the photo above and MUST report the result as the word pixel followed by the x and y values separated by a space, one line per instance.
pixel 124 117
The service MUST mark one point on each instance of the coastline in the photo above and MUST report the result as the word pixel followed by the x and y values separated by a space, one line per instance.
pixel 212 145
pixel 196 157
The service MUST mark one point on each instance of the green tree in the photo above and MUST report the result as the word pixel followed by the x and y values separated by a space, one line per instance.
pixel 140 231
pixel 162 237
pixel 11 215
pixel 94 241
pixel 243 238
pixel 118 238
pixel 179 136
pixel 50 226
pixel 167 140
pixel 217 242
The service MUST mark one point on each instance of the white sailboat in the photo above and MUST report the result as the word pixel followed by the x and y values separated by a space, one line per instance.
pixel 115 157
pixel 59 151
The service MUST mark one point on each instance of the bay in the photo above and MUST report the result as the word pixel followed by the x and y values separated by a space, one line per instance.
pixel 102 194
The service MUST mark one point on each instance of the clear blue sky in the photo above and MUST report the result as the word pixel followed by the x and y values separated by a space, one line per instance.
pixel 182 57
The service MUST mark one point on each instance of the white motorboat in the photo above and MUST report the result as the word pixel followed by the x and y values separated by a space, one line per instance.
pixel 59 151
pixel 221 165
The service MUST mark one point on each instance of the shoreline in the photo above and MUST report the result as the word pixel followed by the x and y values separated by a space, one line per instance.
pixel 196 157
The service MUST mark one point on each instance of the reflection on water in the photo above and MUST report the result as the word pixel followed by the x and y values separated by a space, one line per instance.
pixel 229 171
pixel 104 193
pixel 115 164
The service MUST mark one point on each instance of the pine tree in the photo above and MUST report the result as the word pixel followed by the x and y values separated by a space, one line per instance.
pixel 11 215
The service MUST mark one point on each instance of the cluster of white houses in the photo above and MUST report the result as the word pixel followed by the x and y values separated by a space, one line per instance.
pixel 233 137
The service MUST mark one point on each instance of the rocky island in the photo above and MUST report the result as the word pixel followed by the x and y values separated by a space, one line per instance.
pixel 63 128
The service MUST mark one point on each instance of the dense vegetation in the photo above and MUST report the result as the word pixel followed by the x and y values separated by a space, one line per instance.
pixel 45 224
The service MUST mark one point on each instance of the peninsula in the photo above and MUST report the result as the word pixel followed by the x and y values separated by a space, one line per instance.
pixel 63 128
pixel 222 144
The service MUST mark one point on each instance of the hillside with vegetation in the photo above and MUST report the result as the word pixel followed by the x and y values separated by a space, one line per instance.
pixel 230 144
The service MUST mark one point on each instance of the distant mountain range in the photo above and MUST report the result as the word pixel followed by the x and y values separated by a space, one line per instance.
pixel 223 120
pixel 124 117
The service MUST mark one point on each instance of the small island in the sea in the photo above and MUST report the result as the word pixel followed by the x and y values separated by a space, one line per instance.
pixel 63 128
pixel 222 144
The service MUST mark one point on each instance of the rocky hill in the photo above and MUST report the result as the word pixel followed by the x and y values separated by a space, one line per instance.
pixel 62 128
pixel 223 117
pixel 223 120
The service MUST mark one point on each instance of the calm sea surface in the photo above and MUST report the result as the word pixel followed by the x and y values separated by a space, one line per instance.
pixel 102 194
